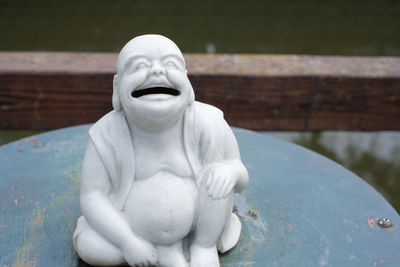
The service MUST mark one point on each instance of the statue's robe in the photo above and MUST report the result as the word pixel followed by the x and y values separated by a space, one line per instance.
pixel 204 132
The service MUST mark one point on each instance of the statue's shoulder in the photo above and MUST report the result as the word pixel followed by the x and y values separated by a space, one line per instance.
pixel 206 113
pixel 208 121
pixel 107 124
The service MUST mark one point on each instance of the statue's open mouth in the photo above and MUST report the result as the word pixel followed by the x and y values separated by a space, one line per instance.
pixel 155 90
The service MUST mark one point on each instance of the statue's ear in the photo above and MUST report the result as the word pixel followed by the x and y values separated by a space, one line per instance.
pixel 191 97
pixel 116 102
pixel 191 100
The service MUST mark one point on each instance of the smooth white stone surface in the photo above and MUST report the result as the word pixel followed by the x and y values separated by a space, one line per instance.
pixel 160 170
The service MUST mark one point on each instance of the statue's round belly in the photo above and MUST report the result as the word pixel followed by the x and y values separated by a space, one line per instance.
pixel 161 208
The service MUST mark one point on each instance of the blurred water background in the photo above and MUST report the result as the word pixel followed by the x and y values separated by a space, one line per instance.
pixel 313 27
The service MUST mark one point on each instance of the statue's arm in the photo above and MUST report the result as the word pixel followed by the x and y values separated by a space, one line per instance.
pixel 227 174
pixel 95 205
pixel 232 157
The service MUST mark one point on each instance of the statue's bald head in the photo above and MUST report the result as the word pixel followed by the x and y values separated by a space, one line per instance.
pixel 151 85
pixel 149 44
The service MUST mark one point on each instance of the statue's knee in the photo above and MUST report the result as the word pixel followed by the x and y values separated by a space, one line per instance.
pixel 82 245
pixel 95 250
pixel 85 243
pixel 203 190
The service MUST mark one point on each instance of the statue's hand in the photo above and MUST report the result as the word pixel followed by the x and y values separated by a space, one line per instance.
pixel 220 180
pixel 138 252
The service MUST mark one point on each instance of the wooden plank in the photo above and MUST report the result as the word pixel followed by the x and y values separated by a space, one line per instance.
pixel 260 92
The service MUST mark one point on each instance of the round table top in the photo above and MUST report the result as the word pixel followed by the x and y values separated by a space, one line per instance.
pixel 299 209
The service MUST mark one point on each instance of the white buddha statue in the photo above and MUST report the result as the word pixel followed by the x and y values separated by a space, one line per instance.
pixel 160 170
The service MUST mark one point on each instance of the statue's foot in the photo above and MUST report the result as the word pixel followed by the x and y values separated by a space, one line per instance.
pixel 139 252
pixel 171 256
pixel 94 249
pixel 230 235
pixel 203 257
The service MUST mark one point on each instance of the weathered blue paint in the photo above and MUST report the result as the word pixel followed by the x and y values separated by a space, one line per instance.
pixel 300 209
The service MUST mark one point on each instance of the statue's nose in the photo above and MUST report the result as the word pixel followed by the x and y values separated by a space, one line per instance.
pixel 157 69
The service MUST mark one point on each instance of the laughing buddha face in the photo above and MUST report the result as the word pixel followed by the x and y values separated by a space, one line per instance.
pixel 151 85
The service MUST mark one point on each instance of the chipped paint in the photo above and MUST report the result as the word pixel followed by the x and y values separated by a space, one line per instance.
pixel 325 257
pixel 371 223
pixel 26 255
pixel 252 219
pixel 253 212
pixel 74 174
pixel 23 253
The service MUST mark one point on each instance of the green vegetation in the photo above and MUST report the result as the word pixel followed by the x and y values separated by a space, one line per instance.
pixel 336 27
pixel 7 136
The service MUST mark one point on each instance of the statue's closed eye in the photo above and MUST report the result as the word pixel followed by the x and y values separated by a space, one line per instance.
pixel 141 65
pixel 171 65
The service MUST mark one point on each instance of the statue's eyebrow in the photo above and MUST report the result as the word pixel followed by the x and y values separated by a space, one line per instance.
pixel 131 58
pixel 175 57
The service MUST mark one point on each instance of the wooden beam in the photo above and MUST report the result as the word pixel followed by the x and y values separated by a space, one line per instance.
pixel 260 92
